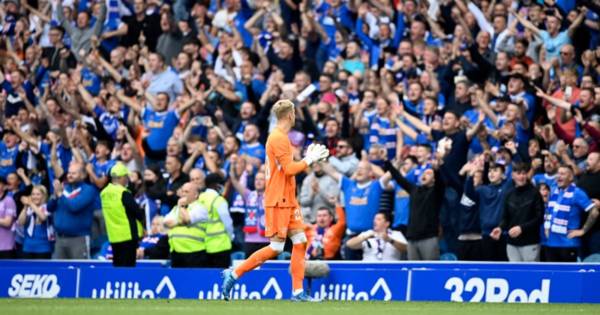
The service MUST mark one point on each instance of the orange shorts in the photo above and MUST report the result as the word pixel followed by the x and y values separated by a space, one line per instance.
pixel 279 221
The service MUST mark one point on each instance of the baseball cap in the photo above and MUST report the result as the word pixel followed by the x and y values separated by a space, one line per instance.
pixel 119 170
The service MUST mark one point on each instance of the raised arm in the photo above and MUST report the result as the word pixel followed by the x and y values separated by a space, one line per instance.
pixel 331 171
pixel 575 25
pixel 417 123
pixel 527 24
pixel 130 102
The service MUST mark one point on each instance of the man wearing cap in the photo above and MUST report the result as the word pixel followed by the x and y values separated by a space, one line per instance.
pixel 219 226
pixel 122 216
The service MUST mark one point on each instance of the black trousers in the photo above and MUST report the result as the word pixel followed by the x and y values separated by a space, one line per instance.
pixel 219 260
pixel 7 254
pixel 493 250
pixel 560 254
pixel 37 255
pixel 124 253
pixel 188 260
pixel 470 250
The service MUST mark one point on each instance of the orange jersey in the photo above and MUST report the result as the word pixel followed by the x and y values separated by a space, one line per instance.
pixel 280 171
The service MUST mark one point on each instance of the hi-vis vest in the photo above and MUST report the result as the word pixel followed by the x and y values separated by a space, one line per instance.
pixel 186 239
pixel 217 239
pixel 115 216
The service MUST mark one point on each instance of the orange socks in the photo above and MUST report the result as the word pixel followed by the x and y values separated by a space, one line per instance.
pixel 297 262
pixel 255 260
pixel 266 253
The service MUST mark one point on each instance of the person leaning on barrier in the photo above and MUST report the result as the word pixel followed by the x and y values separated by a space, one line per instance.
pixel 122 217
pixel 187 234
pixel 380 243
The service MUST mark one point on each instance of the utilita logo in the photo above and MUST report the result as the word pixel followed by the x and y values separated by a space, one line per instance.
pixel 495 290
pixel 345 292
pixel 133 290
pixel 34 286
pixel 240 292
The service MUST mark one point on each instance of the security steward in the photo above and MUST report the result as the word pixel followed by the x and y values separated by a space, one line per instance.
pixel 122 217
pixel 219 226
pixel 187 234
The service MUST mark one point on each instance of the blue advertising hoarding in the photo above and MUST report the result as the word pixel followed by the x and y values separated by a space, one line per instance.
pixel 504 286
pixel 179 283
pixel 38 282
pixel 346 281
pixel 362 285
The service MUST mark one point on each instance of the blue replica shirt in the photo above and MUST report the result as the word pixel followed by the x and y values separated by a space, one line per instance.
pixel 39 238
pixel 401 206
pixel 472 116
pixel 91 81
pixel 341 14
pixel 256 150
pixel 414 174
pixel 110 122
pixel 384 132
pixel 549 180
pixel 563 214
pixel 102 169
pixel 160 125
pixel 361 202
pixel 8 159
pixel 63 154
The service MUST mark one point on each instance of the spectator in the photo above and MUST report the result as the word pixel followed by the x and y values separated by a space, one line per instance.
pixel 82 32
pixel 8 215
pixel 155 245
pixel 361 200
pixel 588 183
pixel 563 228
pixel 325 236
pixel 254 211
pixel 490 198
pixel 72 209
pixel 523 209
pixel 344 160
pixel 37 223
pixel 380 243
pixel 318 190
pixel 423 222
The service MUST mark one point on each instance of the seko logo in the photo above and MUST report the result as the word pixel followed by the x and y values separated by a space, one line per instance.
pixel 34 286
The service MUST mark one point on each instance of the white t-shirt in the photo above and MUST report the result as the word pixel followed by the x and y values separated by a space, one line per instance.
pixel 376 249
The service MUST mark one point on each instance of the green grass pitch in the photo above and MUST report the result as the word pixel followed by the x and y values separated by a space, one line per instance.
pixel 184 307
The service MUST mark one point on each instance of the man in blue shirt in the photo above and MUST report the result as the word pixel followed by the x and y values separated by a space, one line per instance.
pixel 159 122
pixel 562 225
pixel 251 147
pixel 8 153
pixel 73 207
pixel 100 164
pixel 549 175
pixel 361 199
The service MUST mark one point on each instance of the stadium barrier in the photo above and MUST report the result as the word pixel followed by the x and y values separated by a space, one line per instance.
pixel 402 281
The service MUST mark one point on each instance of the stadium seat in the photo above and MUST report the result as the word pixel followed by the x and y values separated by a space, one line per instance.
pixel 593 258
pixel 239 255
pixel 448 257
pixel 284 256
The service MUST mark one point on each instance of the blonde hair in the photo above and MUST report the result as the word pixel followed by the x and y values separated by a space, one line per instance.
pixel 282 108
pixel 43 190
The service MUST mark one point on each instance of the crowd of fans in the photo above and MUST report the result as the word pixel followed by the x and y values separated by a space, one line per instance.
pixel 456 129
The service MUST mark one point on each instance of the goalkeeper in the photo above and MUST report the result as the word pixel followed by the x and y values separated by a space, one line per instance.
pixel 282 211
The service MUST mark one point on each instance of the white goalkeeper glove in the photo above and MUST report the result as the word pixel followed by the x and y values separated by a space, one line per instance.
pixel 315 152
